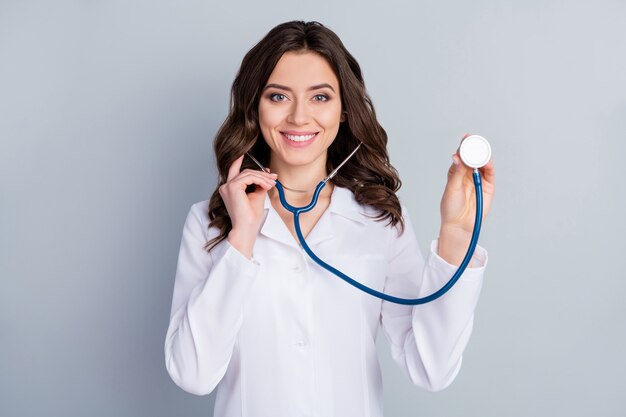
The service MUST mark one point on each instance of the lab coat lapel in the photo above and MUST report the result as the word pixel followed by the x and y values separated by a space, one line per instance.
pixel 273 226
pixel 343 207
pixel 323 229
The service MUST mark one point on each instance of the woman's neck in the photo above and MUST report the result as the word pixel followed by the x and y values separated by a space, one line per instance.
pixel 301 177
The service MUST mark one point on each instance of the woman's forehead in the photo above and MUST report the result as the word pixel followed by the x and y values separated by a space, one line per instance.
pixel 303 70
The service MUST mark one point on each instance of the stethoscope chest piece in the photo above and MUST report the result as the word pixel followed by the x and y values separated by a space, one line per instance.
pixel 475 151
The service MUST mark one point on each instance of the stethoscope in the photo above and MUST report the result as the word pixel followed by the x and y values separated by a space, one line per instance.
pixel 474 151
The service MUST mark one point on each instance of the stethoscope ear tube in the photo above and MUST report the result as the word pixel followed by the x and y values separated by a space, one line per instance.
pixel 406 301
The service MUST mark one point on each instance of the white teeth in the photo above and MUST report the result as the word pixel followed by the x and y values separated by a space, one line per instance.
pixel 298 138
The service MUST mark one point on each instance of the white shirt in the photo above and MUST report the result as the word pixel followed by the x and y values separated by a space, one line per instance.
pixel 284 337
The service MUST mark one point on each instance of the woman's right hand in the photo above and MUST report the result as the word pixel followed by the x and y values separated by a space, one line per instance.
pixel 245 209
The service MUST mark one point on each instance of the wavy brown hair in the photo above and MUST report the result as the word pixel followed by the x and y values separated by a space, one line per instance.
pixel 368 174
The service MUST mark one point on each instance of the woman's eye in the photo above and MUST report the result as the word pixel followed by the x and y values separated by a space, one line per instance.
pixel 277 97
pixel 320 97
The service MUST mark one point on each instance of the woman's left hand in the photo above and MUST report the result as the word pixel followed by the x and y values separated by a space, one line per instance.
pixel 458 204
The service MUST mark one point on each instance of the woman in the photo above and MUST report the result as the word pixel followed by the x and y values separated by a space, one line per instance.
pixel 250 311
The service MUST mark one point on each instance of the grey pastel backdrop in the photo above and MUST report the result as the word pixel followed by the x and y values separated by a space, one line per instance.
pixel 107 114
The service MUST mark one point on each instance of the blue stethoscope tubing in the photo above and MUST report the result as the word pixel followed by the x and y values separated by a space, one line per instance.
pixel 405 301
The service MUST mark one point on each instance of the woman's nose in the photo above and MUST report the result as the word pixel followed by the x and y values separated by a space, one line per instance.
pixel 299 113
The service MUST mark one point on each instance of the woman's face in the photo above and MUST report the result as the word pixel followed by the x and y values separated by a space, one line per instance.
pixel 300 110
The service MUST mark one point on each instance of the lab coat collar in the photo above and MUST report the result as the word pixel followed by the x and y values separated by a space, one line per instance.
pixel 342 207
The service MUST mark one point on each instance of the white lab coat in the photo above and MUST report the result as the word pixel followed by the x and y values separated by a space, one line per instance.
pixel 284 337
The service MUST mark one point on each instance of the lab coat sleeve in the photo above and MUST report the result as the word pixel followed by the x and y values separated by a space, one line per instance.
pixel 210 291
pixel 427 341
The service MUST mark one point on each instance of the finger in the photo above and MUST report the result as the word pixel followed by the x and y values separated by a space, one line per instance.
pixel 253 177
pixel 233 171
pixel 488 172
pixel 264 174
pixel 457 172
pixel 267 178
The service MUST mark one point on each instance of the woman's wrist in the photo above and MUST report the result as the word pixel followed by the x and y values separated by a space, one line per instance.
pixel 453 244
pixel 243 242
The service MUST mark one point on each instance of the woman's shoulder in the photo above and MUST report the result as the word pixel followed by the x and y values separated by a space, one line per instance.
pixel 201 208
pixel 198 219
pixel 200 211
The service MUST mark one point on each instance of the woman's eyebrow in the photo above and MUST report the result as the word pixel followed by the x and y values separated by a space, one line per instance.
pixel 313 87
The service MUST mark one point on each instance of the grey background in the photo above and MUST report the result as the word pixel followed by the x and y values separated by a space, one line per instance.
pixel 107 113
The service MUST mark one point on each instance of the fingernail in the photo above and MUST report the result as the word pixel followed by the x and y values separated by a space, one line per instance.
pixel 454 160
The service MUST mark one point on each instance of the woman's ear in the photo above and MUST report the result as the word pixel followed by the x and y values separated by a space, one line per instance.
pixel 344 116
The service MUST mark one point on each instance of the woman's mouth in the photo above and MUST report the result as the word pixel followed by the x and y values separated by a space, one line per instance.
pixel 301 137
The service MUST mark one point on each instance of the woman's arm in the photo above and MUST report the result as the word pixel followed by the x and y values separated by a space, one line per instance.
pixel 210 291
pixel 427 341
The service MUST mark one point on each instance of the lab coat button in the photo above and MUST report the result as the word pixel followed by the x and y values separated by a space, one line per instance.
pixel 301 343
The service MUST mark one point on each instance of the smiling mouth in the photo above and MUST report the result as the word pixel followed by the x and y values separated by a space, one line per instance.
pixel 299 138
